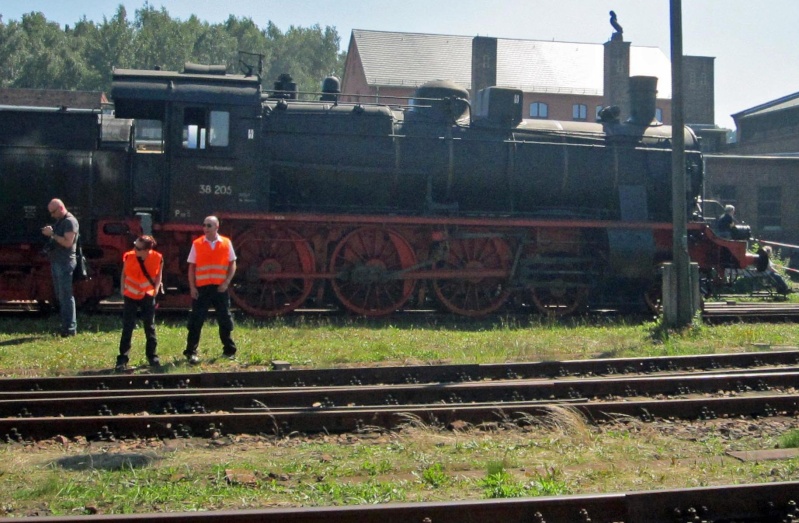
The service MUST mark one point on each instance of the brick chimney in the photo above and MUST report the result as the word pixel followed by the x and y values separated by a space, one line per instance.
pixel 617 75
pixel 484 63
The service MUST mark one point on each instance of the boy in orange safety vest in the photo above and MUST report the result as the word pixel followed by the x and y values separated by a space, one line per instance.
pixel 142 271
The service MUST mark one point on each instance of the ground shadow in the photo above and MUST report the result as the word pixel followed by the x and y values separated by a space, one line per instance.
pixel 21 341
pixel 106 461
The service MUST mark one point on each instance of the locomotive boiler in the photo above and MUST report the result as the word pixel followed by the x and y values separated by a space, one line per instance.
pixel 440 201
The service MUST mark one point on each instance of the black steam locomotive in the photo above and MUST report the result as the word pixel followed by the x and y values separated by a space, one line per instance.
pixel 373 208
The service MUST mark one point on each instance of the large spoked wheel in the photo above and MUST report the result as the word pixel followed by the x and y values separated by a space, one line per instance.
pixel 270 271
pixel 368 265
pixel 558 300
pixel 475 295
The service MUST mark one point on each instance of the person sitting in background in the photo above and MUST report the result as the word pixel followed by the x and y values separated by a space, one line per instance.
pixel 765 265
pixel 726 222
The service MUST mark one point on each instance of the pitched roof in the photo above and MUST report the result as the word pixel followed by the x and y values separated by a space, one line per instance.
pixel 786 102
pixel 411 59
pixel 53 98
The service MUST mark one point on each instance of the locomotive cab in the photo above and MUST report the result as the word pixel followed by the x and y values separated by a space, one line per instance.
pixel 210 126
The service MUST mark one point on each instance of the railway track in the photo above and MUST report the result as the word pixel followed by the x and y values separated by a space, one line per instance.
pixel 368 399
pixel 212 405
pixel 730 309
pixel 762 503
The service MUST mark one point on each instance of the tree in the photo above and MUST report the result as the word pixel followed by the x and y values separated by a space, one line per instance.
pixel 308 54
pixel 42 55
pixel 107 46
pixel 36 53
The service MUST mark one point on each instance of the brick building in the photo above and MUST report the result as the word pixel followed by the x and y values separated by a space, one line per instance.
pixel 760 173
pixel 561 80
pixel 763 190
pixel 769 128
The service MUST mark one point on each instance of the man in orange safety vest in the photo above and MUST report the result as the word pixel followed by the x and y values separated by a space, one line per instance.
pixel 212 265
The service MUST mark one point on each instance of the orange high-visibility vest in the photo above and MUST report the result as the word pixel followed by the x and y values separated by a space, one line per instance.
pixel 134 283
pixel 212 264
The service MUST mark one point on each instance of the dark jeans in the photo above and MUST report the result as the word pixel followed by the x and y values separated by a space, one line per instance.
pixel 129 310
pixel 210 296
pixel 62 285
pixel 778 282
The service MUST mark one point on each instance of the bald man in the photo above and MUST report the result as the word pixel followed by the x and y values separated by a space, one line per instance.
pixel 61 250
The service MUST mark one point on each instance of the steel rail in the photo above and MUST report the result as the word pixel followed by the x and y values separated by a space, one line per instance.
pixel 404 374
pixel 513 391
pixel 98 393
pixel 759 503
pixel 369 419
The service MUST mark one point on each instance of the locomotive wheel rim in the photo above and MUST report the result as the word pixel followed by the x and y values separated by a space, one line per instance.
pixel 365 263
pixel 263 255
pixel 558 301
pixel 475 297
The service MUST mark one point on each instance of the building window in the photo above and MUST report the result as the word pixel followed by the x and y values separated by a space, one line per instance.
pixel 659 114
pixel 769 207
pixel 726 194
pixel 579 112
pixel 539 110
pixel 598 110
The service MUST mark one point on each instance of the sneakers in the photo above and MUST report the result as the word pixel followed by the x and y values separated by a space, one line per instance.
pixel 120 367
pixel 229 356
pixel 193 359
pixel 155 361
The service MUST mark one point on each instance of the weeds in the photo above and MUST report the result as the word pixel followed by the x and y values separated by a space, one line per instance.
pixel 435 476
pixel 789 440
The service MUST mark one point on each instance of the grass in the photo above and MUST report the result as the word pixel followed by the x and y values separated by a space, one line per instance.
pixel 27 349
pixel 560 453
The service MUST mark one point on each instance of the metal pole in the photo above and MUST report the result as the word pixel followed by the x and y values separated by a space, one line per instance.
pixel 679 207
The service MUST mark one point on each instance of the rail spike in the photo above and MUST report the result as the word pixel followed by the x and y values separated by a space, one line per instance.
pixel 105 434
pixel 14 436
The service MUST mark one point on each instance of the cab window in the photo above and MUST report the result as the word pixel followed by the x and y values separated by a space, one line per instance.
pixel 203 129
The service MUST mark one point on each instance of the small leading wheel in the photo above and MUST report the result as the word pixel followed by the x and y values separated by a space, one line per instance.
pixel 558 300
pixel 368 265
pixel 475 294
pixel 653 296
pixel 270 271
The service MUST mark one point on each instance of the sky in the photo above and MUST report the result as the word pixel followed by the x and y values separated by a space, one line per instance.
pixel 753 43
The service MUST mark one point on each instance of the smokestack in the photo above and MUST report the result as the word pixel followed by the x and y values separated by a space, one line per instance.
pixel 643 99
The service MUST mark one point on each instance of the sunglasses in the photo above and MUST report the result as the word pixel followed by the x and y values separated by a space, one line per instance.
pixel 208 225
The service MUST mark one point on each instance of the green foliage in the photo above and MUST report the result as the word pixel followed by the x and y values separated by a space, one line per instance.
pixel 499 483
pixel 789 440
pixel 35 53
pixel 435 476
pixel 373 469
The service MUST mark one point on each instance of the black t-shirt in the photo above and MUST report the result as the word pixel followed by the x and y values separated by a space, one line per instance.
pixel 725 222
